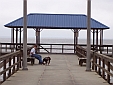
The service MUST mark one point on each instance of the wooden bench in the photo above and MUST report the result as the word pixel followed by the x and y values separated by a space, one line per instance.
pixel 81 61
pixel 31 59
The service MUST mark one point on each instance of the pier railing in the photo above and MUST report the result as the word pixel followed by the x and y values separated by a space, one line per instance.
pixel 9 64
pixel 102 64
pixel 42 48
pixel 80 51
pixel 102 49
pixel 6 48
pixel 56 48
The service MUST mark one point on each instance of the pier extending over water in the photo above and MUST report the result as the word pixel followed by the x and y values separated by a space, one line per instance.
pixel 64 68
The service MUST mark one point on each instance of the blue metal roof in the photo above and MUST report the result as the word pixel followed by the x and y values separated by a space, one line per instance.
pixel 59 21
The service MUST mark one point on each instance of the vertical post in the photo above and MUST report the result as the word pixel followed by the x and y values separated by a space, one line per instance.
pixel 75 39
pixel 12 39
pixel 88 66
pixel 97 40
pixel 76 35
pixel 99 69
pixel 112 50
pixel 25 35
pixel 4 68
pixel 38 38
pixel 101 41
pixel 9 74
pixel 20 39
pixel 103 65
pixel 0 48
pixel 112 63
pixel 93 38
pixel 62 48
pixel 16 38
pixel 108 68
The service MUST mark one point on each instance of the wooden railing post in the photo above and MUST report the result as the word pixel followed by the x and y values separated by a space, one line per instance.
pixel 9 74
pixel 108 68
pixel 13 70
pixel 4 75
pixel 6 48
pixel 0 49
pixel 103 65
pixel 20 58
pixel 50 48
pixel 18 61
pixel 112 51
pixel 99 70
pixel 93 60
pixel 107 50
pixel 95 63
pixel 62 48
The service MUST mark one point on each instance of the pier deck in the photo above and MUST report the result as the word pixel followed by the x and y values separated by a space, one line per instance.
pixel 63 70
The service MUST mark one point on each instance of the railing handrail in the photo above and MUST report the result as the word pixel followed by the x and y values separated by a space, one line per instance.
pixel 12 67
pixel 3 57
pixel 99 62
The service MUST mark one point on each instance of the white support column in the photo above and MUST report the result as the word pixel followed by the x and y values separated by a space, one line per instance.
pixel 25 36
pixel 88 63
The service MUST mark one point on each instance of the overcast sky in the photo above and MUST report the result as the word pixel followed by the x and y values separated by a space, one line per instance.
pixel 101 10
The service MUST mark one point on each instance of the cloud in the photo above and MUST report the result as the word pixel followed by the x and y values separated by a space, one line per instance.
pixel 101 10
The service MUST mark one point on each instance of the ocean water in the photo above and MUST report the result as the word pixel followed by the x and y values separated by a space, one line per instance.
pixel 57 41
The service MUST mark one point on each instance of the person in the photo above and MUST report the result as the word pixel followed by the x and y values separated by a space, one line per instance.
pixel 33 54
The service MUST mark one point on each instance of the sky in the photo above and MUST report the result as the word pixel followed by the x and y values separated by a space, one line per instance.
pixel 101 10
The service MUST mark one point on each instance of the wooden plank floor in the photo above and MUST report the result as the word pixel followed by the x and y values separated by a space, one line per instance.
pixel 63 70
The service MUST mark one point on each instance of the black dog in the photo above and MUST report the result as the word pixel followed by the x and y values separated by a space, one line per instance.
pixel 46 60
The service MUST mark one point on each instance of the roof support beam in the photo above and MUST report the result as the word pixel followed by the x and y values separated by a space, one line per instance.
pixel 101 39
pixel 20 39
pixel 88 62
pixel 37 38
pixel 93 38
pixel 96 39
pixel 75 39
pixel 16 38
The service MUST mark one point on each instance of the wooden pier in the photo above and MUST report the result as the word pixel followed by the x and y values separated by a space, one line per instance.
pixel 63 70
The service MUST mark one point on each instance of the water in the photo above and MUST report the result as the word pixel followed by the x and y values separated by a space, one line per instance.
pixel 57 41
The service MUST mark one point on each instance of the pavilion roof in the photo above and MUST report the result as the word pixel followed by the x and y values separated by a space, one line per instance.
pixel 56 21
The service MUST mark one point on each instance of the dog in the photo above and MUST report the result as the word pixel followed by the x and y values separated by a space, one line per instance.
pixel 46 60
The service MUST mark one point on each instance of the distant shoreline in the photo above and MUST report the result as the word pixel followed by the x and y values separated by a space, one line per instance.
pixel 57 40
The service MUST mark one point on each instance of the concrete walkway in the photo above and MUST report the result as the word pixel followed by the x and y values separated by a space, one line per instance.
pixel 63 70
